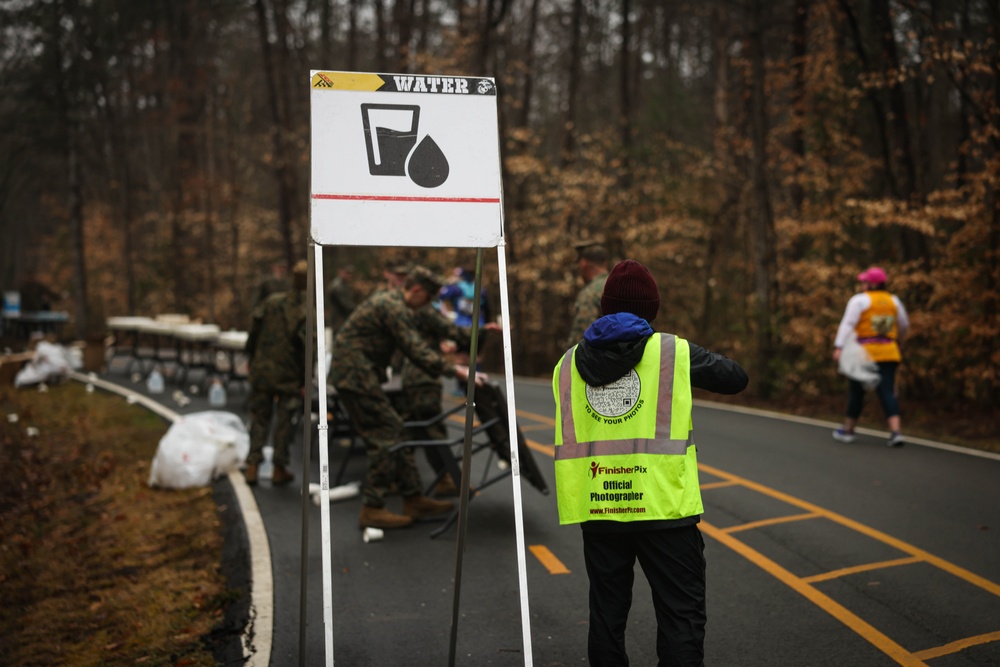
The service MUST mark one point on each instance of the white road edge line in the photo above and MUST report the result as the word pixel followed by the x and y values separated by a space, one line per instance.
pixel 257 635
pixel 818 422
pixel 864 431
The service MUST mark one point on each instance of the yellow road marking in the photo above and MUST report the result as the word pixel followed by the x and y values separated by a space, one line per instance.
pixel 939 563
pixel 548 559
pixel 718 485
pixel 867 567
pixel 536 417
pixel 804 585
pixel 770 522
pixel 956 646
pixel 835 609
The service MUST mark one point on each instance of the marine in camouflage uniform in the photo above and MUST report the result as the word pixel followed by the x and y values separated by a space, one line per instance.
pixel 276 351
pixel 272 284
pixel 341 297
pixel 592 260
pixel 365 344
pixel 420 398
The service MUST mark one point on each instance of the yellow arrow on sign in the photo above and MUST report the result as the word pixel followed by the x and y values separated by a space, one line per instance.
pixel 346 81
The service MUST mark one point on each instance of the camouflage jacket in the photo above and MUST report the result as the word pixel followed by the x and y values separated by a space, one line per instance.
pixel 435 328
pixel 268 286
pixel 341 300
pixel 364 345
pixel 276 343
pixel 586 309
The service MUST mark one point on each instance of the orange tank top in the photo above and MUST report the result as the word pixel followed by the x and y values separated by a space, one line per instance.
pixel 877 329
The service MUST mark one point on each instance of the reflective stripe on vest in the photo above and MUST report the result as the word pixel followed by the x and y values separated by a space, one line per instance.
pixel 647 472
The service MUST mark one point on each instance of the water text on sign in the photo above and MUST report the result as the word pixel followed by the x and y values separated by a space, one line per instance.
pixel 431 84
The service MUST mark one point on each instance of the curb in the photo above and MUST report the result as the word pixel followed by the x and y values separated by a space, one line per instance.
pixel 257 636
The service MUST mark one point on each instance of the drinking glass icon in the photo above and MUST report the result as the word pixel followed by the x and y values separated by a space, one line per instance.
pixel 391 141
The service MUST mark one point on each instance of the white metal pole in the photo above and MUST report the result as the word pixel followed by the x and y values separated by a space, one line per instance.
pixel 515 464
pixel 324 457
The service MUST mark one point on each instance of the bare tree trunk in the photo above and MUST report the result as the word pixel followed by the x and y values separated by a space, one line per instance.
pixel 352 36
pixel 381 37
pixel 625 95
pixel 285 74
pixel 800 22
pixel 121 178
pixel 721 154
pixel 914 243
pixel 529 66
pixel 762 218
pixel 403 11
pixel 82 327
pixel 326 18
pixel 210 255
pixel 575 55
pixel 281 161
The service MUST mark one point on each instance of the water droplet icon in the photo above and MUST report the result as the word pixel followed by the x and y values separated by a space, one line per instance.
pixel 427 166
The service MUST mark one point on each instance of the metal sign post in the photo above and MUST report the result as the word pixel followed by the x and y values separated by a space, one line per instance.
pixel 410 161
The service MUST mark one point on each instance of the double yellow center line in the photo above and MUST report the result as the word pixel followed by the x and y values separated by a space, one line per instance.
pixel 805 585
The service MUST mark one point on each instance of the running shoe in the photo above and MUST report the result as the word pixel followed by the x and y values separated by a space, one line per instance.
pixel 895 440
pixel 844 436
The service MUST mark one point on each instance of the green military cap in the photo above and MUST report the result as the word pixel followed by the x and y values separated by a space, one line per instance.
pixel 426 279
pixel 592 250
pixel 398 269
pixel 581 244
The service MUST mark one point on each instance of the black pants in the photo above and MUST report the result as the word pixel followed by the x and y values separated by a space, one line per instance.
pixel 674 563
pixel 885 390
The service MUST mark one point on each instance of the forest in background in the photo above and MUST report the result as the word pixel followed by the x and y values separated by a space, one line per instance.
pixel 755 154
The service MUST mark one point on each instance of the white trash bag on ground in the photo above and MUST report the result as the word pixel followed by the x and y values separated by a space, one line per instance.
pixel 856 364
pixel 48 362
pixel 198 448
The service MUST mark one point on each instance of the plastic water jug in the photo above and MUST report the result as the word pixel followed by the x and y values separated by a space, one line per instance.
pixel 217 395
pixel 154 383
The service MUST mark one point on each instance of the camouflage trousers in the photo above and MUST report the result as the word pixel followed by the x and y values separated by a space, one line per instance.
pixel 418 403
pixel 381 427
pixel 263 406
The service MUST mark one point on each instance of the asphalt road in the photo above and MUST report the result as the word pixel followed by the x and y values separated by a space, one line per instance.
pixel 819 553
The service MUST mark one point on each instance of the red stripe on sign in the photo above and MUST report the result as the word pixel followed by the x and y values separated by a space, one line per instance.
pixel 464 200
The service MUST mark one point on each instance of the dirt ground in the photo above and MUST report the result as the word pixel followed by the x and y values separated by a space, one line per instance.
pixel 97 568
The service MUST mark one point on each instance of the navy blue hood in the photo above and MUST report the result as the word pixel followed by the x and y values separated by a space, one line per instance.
pixel 611 347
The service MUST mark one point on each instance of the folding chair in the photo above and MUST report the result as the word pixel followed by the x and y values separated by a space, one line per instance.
pixel 491 409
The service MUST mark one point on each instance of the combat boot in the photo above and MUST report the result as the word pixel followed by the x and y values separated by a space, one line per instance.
pixel 250 474
pixel 281 475
pixel 380 517
pixel 421 506
pixel 445 487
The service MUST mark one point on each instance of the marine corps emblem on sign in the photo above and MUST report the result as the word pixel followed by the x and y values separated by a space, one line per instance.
pixel 615 398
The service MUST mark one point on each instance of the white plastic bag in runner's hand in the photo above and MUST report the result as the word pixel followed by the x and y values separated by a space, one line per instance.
pixel 198 448
pixel 857 365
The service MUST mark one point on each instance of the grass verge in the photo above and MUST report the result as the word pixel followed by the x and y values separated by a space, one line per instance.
pixel 96 568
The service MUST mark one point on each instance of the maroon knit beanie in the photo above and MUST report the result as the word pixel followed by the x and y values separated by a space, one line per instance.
pixel 630 288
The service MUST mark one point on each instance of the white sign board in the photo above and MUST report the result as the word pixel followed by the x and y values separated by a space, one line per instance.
pixel 405 160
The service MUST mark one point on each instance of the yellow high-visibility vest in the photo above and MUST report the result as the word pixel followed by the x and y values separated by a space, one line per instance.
pixel 625 451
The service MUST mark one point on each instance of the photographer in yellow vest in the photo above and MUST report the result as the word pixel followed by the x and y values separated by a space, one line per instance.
pixel 626 467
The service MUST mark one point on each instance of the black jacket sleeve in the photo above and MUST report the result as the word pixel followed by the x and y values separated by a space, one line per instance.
pixel 715 372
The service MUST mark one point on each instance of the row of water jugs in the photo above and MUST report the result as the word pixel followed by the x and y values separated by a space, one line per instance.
pixel 216 392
